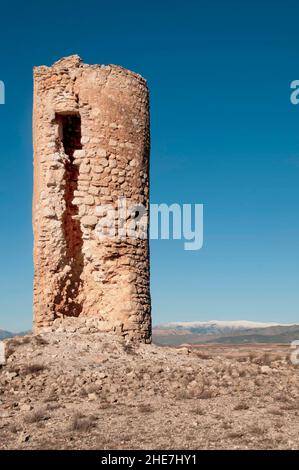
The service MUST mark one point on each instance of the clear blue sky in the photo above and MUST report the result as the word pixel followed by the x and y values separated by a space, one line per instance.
pixel 223 134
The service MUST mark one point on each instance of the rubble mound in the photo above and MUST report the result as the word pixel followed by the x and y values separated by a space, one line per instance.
pixel 75 387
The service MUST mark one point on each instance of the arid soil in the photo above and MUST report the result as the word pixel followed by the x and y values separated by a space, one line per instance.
pixel 77 388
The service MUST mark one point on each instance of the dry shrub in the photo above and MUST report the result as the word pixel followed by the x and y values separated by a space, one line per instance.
pixel 13 428
pixel 241 406
pixel 13 342
pixel 36 416
pixel 233 371
pixel 52 406
pixel 275 411
pixel 128 348
pixel 279 423
pixel 257 430
pixel 203 355
pixel 83 392
pixel 266 359
pixel 227 425
pixel 10 348
pixel 262 359
pixel 52 396
pixel 235 434
pixel 81 423
pixel 93 388
pixel 198 411
pixel 105 405
pixel 206 394
pixel 277 357
pixel 33 369
pixel 242 359
pixel 39 340
pixel 252 356
pixel 25 340
pixel 291 405
pixel 181 395
pixel 145 408
pixel 282 397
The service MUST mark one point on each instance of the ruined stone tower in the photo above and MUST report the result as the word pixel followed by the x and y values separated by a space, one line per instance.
pixel 91 151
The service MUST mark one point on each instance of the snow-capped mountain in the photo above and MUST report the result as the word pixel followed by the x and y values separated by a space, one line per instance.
pixel 217 326
pixel 235 331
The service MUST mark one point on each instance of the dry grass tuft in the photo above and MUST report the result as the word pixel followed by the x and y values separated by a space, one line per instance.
pixel 257 430
pixel 36 416
pixel 235 434
pixel 25 340
pixel 198 411
pixel 145 408
pixel 282 397
pixel 241 406
pixel 203 355
pixel 128 348
pixel 33 369
pixel 181 395
pixel 39 340
pixel 206 394
pixel 81 423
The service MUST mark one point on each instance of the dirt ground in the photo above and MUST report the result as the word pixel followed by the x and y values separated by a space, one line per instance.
pixel 77 388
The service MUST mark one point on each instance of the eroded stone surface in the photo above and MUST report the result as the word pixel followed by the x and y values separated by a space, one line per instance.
pixel 91 147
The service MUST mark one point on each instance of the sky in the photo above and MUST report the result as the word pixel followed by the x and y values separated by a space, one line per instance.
pixel 224 134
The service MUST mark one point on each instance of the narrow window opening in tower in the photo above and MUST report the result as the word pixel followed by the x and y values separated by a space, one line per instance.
pixel 67 301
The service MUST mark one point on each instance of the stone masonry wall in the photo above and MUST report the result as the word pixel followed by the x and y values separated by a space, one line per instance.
pixel 91 147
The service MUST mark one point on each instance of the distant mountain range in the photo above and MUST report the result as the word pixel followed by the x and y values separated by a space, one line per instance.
pixel 5 334
pixel 229 332
pixel 214 331
pixel 8 334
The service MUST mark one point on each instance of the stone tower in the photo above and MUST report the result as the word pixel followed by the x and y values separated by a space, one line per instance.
pixel 91 160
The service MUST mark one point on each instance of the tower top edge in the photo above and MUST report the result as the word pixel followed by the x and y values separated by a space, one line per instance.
pixel 69 63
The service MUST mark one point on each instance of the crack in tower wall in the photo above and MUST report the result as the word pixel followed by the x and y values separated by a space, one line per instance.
pixel 69 140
